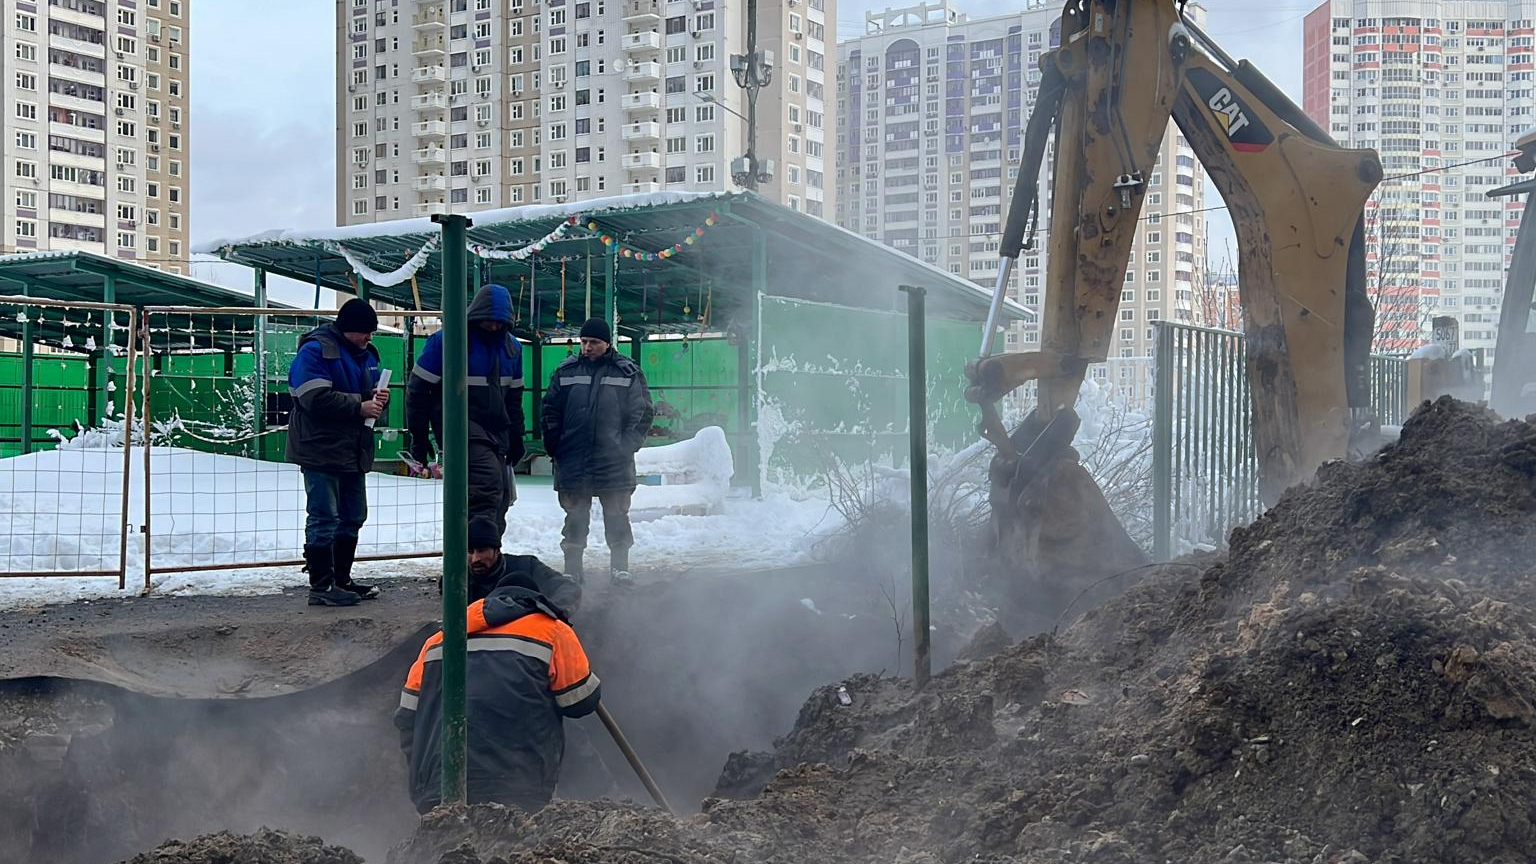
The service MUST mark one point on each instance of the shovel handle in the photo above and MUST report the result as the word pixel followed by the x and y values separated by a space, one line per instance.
pixel 633 758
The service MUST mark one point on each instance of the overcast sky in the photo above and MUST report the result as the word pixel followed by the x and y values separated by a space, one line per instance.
pixel 263 101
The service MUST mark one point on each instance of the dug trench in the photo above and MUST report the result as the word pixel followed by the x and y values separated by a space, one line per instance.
pixel 124 723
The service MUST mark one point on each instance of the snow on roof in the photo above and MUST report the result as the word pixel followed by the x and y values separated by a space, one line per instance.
pixel 425 225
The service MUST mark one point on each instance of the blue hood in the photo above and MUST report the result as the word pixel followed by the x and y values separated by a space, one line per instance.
pixel 491 303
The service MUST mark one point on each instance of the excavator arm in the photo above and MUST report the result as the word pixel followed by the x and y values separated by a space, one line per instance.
pixel 1123 69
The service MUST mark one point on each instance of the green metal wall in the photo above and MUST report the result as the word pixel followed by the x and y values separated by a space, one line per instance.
pixel 834 386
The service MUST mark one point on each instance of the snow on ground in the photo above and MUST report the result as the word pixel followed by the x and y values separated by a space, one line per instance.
pixel 61 510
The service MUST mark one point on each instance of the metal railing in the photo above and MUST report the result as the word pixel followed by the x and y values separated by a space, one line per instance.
pixel 1205 474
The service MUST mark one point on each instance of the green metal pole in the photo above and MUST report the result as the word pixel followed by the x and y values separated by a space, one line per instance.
pixel 1162 444
pixel 28 333
pixel 455 505
pixel 536 387
pixel 745 362
pixel 610 276
pixel 102 359
pixel 259 294
pixel 364 291
pixel 917 436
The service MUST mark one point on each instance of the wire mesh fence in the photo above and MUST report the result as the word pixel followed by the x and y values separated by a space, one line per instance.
pixel 67 372
pixel 217 492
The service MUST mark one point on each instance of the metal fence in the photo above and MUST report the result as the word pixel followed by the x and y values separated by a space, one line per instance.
pixel 1205 475
pixel 64 489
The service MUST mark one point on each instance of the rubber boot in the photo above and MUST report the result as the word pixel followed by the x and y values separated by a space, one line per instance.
pixel 573 564
pixel 618 566
pixel 344 551
pixel 322 579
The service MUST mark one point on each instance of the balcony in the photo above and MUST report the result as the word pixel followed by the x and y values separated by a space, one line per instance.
pixel 422 74
pixel 430 17
pixel 429 102
pixel 636 188
pixel 642 12
pixel 430 156
pixel 429 182
pixel 429 46
pixel 642 161
pixel 648 72
pixel 648 40
pixel 427 208
pixel 76 74
pixel 430 129
pixel 642 101
pixel 650 131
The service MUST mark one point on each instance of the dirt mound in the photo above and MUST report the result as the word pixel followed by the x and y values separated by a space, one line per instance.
pixel 1354 683
pixel 264 847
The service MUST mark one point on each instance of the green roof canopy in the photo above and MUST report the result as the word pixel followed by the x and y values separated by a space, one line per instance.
pixel 805 257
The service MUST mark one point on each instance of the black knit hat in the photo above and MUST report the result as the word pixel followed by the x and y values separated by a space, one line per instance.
pixel 597 328
pixel 483 533
pixel 357 317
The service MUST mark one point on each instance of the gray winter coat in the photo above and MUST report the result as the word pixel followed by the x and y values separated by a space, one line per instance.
pixel 597 413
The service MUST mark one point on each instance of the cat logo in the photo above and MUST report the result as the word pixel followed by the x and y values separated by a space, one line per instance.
pixel 1246 132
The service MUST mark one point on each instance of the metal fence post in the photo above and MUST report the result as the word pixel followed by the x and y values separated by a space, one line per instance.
pixel 260 347
pixel 917 437
pixel 1162 444
pixel 455 507
pixel 28 335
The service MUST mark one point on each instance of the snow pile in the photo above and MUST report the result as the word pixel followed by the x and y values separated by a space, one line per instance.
pixel 694 473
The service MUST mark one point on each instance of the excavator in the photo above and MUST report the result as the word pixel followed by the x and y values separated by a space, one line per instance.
pixel 1122 69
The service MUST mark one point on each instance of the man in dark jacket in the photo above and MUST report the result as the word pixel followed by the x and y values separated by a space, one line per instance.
pixel 333 384
pixel 527 672
pixel 488 566
pixel 597 413
pixel 495 403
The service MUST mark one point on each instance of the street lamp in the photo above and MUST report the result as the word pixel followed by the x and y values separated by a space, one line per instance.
pixel 752 72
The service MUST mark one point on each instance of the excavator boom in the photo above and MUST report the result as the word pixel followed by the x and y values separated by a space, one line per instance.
pixel 1124 68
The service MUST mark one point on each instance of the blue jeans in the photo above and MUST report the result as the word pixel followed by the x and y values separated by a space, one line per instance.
pixel 337 505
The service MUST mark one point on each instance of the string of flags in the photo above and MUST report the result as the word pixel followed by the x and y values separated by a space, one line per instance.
pixel 663 253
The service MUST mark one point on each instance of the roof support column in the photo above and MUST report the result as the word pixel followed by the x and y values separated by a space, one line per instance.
pixel 101 358
pixel 259 345
pixel 610 288
pixel 747 349
pixel 28 335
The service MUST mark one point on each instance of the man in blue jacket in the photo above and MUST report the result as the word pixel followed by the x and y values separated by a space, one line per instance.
pixel 334 386
pixel 597 413
pixel 495 403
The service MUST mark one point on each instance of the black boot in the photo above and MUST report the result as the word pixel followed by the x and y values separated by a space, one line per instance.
pixel 618 567
pixel 573 563
pixel 322 579
pixel 345 551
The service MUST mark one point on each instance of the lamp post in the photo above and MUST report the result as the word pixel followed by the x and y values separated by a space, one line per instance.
pixel 752 71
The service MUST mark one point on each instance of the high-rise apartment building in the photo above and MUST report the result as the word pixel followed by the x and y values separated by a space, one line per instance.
pixel 96 128
pixel 932 107
pixel 475 104
pixel 1441 88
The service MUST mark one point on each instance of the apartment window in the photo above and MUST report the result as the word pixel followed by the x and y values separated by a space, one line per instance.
pixel 26 51
pixel 705 52
pixel 359 181
pixel 704 21
pixel 677 145
pixel 126 156
pixel 125 240
pixel 26 81
pixel 677 24
pixel 360 207
pixel 557 103
pixel 27 170
pixel 129 185
pixel 677 53
pixel 26 23
pixel 517 195
pixel 175 58
pixel 557 45
pixel 483 195
pixel 704 144
pixel 677 174
pixel 26 140
pixel 127 128
pixel 360 130
pixel 175 8
pixel 482 167
pixel 26 199
pixel 704 113
pixel 677 84
pixel 26 110
pixel 26 228
pixel 706 83
pixel 704 174
pixel 175 37
pixel 483 30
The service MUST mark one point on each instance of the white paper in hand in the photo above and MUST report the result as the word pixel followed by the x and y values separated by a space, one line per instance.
pixel 383 385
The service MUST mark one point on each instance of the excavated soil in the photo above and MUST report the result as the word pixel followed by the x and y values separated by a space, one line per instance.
pixel 267 846
pixel 1354 682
